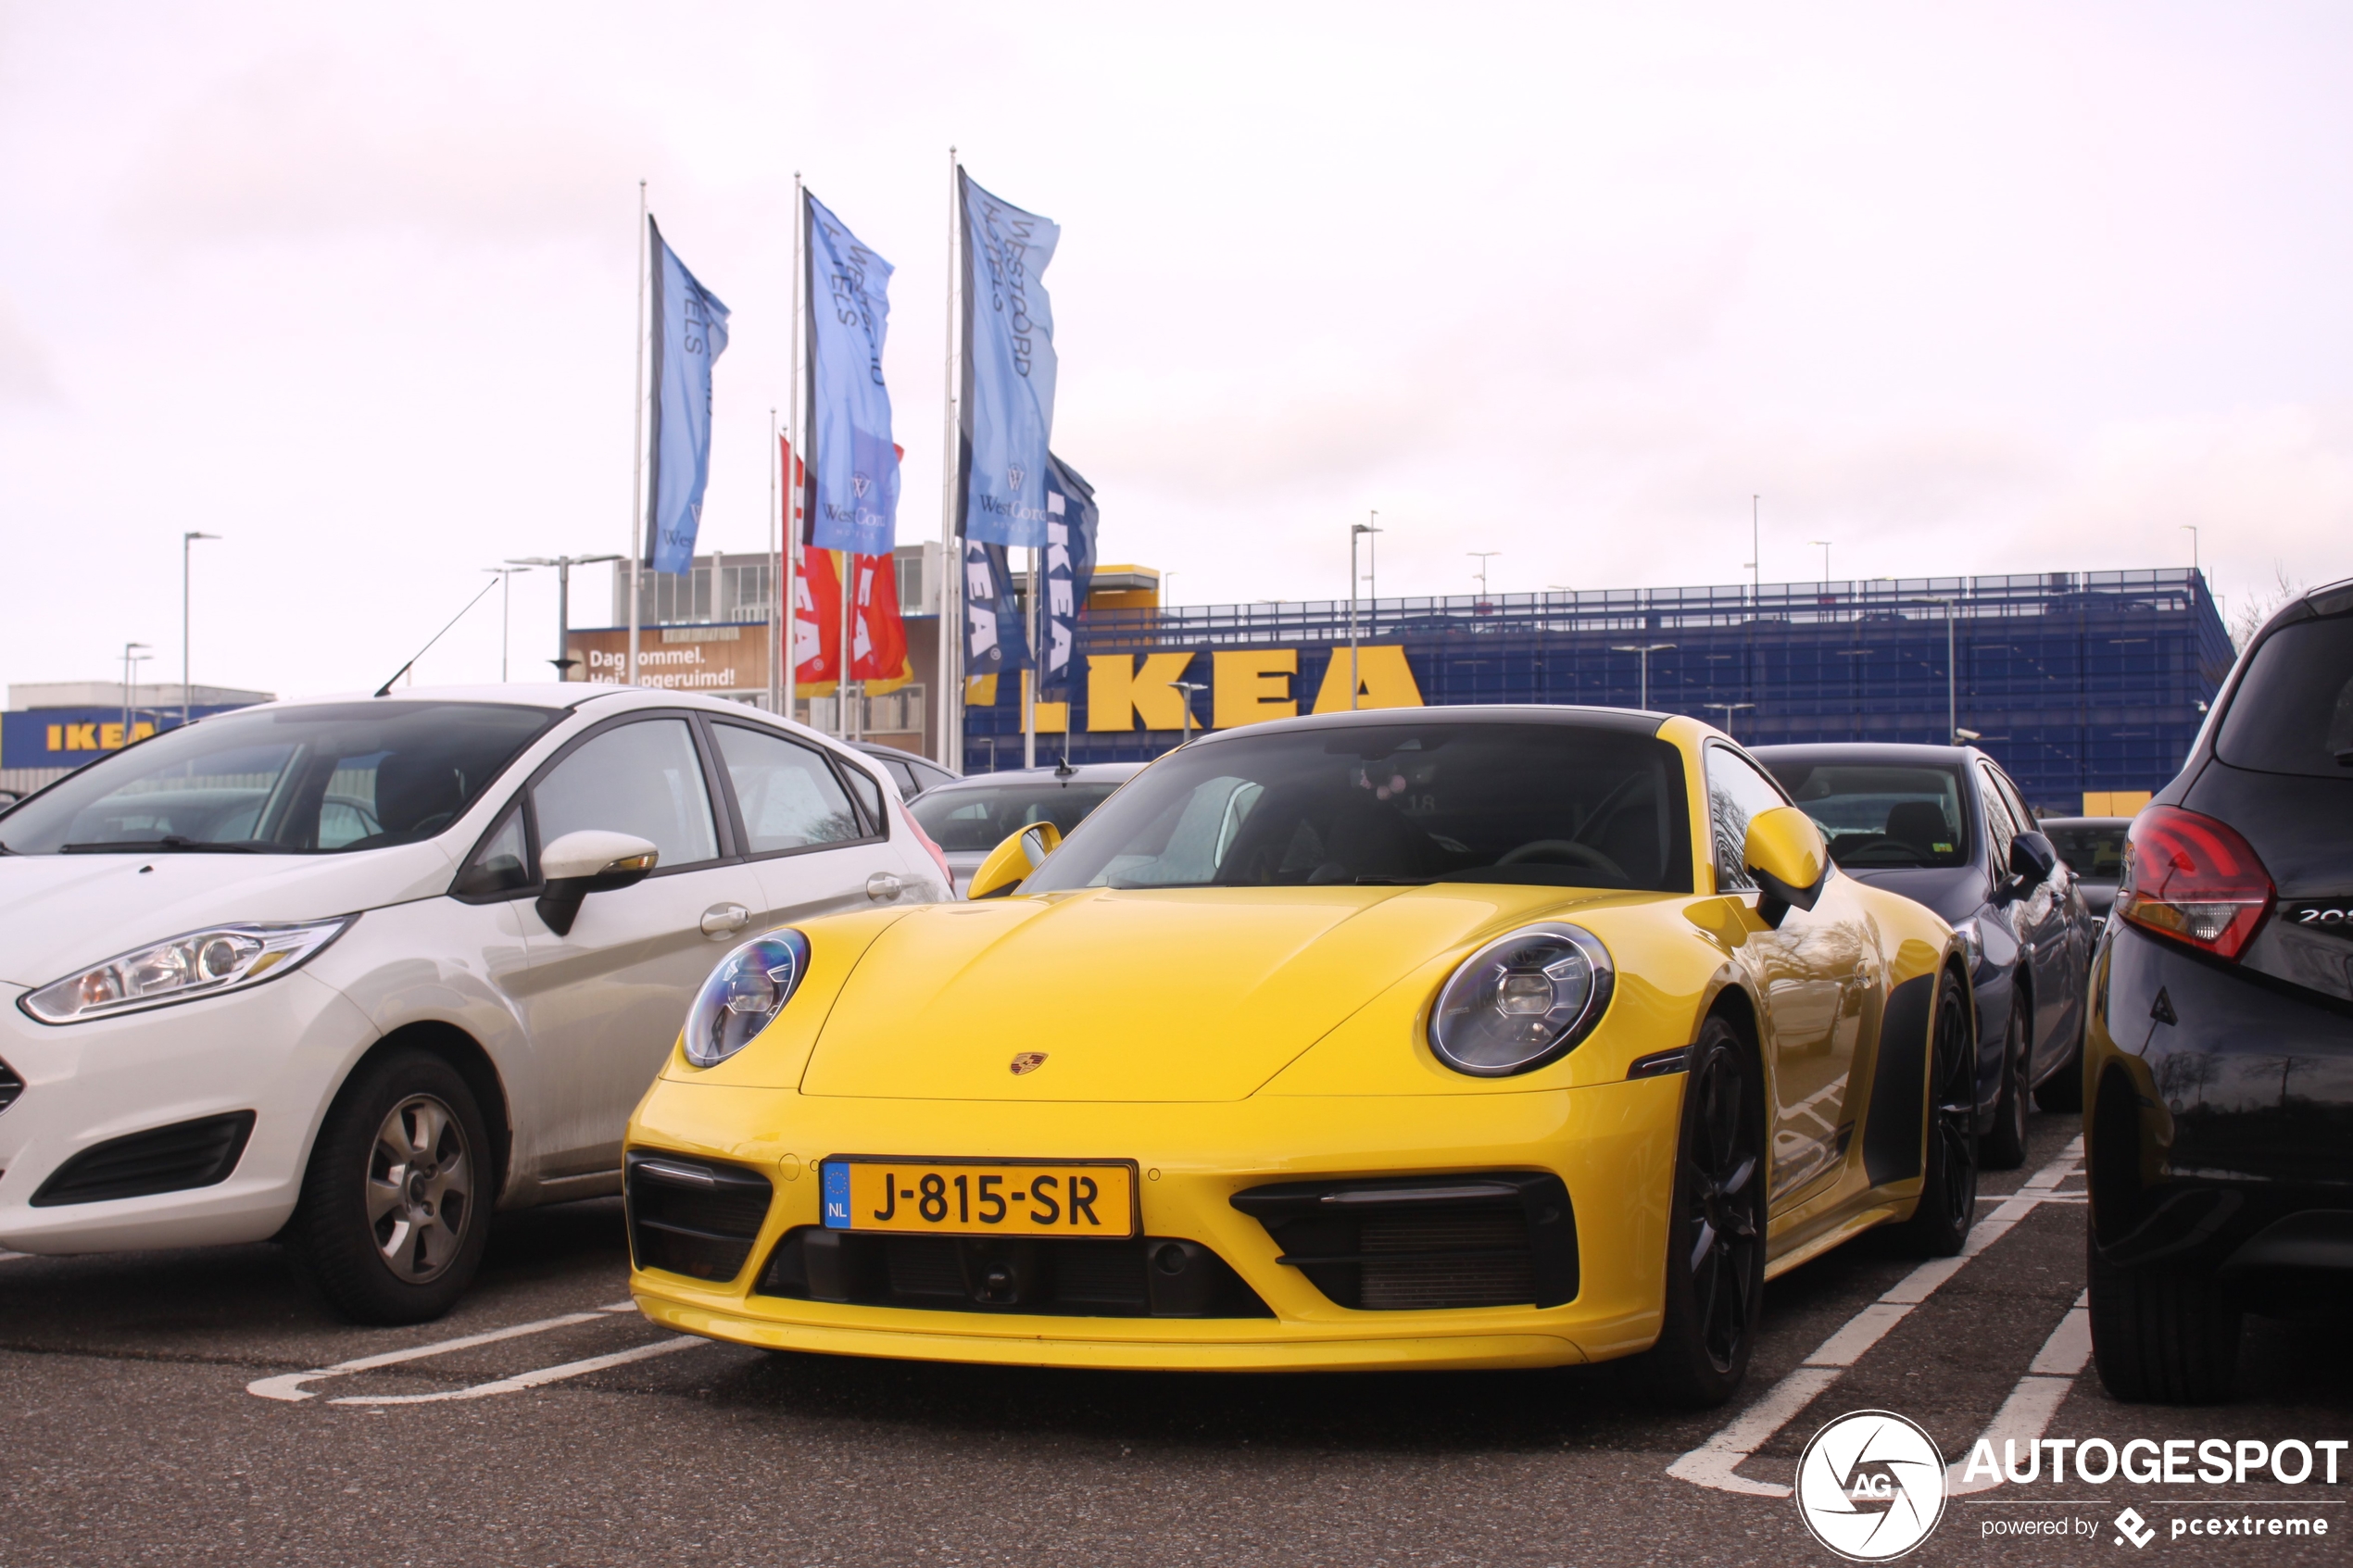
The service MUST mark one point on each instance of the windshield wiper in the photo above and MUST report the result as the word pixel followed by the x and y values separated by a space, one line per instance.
pixel 171 843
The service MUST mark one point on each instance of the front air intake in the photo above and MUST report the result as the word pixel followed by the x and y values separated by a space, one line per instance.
pixel 173 1159
pixel 10 1087
pixel 1494 1239
pixel 694 1217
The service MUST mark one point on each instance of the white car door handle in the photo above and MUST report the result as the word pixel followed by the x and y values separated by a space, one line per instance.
pixel 724 920
pixel 882 887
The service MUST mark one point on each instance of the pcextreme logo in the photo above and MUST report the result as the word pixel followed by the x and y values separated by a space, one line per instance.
pixel 1870 1485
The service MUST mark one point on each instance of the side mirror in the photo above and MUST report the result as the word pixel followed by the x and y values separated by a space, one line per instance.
pixel 2032 859
pixel 1787 857
pixel 1012 860
pixel 589 862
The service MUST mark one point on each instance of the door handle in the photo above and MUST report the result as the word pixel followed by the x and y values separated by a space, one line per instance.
pixel 882 887
pixel 724 920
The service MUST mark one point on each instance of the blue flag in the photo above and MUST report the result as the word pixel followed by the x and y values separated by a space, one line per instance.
pixel 994 639
pixel 857 477
pixel 1071 517
pixel 1009 369
pixel 690 330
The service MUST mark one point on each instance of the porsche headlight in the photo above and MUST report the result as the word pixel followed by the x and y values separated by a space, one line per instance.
pixel 1521 1001
pixel 202 963
pixel 744 994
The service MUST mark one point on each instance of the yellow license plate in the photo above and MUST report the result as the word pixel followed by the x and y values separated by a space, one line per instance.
pixel 981 1198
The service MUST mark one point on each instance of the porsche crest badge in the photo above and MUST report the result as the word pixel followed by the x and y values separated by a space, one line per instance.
pixel 1028 1061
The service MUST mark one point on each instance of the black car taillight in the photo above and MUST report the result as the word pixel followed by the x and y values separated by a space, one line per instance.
pixel 2192 877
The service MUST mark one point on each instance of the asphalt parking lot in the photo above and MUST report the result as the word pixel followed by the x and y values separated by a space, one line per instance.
pixel 195 1408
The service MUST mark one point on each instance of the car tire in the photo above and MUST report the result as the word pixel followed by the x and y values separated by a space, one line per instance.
pixel 2167 1336
pixel 2003 1146
pixel 396 1203
pixel 1940 1224
pixel 1716 1232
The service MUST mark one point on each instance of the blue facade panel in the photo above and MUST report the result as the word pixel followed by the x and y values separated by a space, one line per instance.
pixel 2076 681
pixel 67 738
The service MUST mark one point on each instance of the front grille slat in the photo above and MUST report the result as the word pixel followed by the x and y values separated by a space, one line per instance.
pixel 1426 1244
pixel 694 1217
pixel 10 1087
pixel 175 1159
pixel 1149 1276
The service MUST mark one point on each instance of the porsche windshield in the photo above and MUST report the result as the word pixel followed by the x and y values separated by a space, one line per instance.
pixel 1555 805
pixel 339 776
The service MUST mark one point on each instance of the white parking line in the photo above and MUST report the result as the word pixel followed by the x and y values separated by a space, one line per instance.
pixel 2027 1413
pixel 532 1379
pixel 288 1386
pixel 1714 1462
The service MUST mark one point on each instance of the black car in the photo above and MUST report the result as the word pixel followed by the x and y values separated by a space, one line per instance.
pixel 1945 825
pixel 2218 1064
pixel 2093 849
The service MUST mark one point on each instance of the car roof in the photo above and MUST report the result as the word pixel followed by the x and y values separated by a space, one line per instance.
pixel 1886 752
pixel 2086 822
pixel 873 748
pixel 528 694
pixel 1629 720
pixel 1085 772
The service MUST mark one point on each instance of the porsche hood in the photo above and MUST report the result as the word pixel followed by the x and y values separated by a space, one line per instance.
pixel 1198 994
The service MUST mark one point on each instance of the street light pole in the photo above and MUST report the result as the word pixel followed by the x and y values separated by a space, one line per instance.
pixel 1187 689
pixel 1645 649
pixel 1355 531
pixel 1729 708
pixel 187 540
pixel 506 575
pixel 563 661
pixel 1483 557
pixel 1826 559
pixel 128 660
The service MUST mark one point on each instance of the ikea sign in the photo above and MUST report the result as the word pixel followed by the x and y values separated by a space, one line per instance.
pixel 67 738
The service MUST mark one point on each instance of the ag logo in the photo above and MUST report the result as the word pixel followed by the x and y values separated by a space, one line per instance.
pixel 1870 1485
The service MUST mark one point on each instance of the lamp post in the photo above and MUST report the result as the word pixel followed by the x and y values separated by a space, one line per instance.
pixel 1729 708
pixel 1826 559
pixel 1355 531
pixel 1483 557
pixel 2192 528
pixel 1645 649
pixel 187 540
pixel 506 575
pixel 563 661
pixel 1188 688
pixel 129 658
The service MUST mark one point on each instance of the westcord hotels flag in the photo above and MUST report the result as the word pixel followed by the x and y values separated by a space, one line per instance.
pixel 1009 369
pixel 690 330
pixel 857 465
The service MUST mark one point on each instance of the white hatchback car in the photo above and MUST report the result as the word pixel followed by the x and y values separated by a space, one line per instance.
pixel 357 972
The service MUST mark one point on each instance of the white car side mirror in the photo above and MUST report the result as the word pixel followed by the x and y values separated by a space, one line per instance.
pixel 589 862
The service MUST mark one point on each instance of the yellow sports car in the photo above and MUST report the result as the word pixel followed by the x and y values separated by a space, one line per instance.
pixel 1459 1037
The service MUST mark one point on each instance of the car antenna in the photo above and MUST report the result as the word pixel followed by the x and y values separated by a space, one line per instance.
pixel 1063 769
pixel 386 690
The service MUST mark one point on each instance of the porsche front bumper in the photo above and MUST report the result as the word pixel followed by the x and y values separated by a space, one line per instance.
pixel 1613 1145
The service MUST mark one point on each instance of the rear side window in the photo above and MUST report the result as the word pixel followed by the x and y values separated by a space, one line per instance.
pixel 2293 712
pixel 789 794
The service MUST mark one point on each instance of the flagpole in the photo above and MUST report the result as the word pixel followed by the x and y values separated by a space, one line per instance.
pixel 792 506
pixel 776 576
pixel 637 444
pixel 1036 667
pixel 951 559
pixel 849 607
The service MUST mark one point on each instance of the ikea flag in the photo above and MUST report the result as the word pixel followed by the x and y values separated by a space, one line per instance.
pixel 857 506
pixel 690 330
pixel 1009 368
pixel 1070 566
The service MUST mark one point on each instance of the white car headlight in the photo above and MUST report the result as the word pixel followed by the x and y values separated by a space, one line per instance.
pixel 1522 1000
pixel 202 963
pixel 744 994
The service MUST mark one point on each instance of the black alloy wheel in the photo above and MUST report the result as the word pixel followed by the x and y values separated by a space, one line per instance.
pixel 2159 1335
pixel 1940 1226
pixel 1715 1234
pixel 396 1204
pixel 2003 1146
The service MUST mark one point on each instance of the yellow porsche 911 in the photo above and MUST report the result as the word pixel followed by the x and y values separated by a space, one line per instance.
pixel 1459 1037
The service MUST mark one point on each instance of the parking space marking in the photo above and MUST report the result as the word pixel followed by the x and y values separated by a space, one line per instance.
pixel 539 1378
pixel 1715 1463
pixel 288 1386
pixel 2027 1413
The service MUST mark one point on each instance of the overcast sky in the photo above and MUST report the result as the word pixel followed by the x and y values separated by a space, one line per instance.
pixel 1975 289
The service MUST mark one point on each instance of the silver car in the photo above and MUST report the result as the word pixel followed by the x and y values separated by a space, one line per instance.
pixel 969 817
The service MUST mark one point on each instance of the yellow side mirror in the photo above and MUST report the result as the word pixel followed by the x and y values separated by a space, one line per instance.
pixel 1012 860
pixel 1787 857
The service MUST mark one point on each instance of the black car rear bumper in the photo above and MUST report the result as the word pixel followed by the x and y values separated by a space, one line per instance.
pixel 2221 1117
